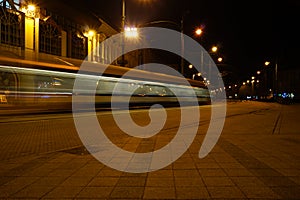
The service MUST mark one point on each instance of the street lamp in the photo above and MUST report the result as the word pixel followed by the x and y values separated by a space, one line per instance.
pixel 275 75
pixel 198 31
pixel 214 49
pixel 131 32
pixel 122 30
pixel 198 74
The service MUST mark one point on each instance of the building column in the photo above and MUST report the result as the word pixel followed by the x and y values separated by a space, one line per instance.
pixel 31 32
pixel 64 43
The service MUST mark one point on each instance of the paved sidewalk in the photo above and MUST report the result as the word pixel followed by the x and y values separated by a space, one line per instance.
pixel 257 157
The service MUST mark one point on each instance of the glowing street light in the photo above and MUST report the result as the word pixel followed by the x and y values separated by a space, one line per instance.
pixel 29 10
pixel 91 33
pixel 198 74
pixel 275 79
pixel 198 31
pixel 31 7
pixel 131 32
pixel 267 63
pixel 214 49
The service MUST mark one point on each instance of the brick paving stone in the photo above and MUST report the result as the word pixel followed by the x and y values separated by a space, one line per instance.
pixel 211 172
pixel 127 192
pixel 94 193
pixel 259 192
pixel 186 173
pixel 33 192
pixel 217 181
pixel 76 181
pixel 225 192
pixel 159 193
pixel 160 182
pixel 189 181
pixel 247 182
pixel 237 172
pixel 131 181
pixel 49 181
pixel 163 173
pixel 192 192
pixel 103 181
pixel 61 192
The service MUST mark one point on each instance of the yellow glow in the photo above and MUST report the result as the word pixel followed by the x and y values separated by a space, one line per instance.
pixel 91 33
pixel 252 77
pixel 131 32
pixel 198 31
pixel 214 49
pixel 190 66
pixel 258 72
pixel 30 10
pixel 220 59
pixel 31 7
pixel 267 63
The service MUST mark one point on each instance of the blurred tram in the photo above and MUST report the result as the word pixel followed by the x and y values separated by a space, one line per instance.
pixel 25 82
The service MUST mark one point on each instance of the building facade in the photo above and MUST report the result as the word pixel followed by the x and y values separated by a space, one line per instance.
pixel 42 30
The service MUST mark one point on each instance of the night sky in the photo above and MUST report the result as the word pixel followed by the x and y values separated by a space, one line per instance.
pixel 247 32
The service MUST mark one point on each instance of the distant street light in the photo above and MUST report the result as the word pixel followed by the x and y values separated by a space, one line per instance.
pixel 214 49
pixel 198 74
pixel 267 63
pixel 198 31
pixel 275 76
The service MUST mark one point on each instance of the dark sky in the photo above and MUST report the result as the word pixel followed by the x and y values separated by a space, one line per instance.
pixel 247 32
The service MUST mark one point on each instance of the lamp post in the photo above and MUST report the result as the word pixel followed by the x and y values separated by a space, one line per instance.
pixel 199 32
pixel 182 45
pixel 275 77
pixel 182 40
pixel 122 30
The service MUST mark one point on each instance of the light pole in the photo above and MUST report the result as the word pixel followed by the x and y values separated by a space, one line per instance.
pixel 275 77
pixel 199 32
pixel 122 30
pixel 182 45
pixel 182 41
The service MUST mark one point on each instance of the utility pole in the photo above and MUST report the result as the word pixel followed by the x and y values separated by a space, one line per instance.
pixel 123 32
pixel 182 41
pixel 182 45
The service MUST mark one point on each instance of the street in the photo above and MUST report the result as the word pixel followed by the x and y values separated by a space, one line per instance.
pixel 256 157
